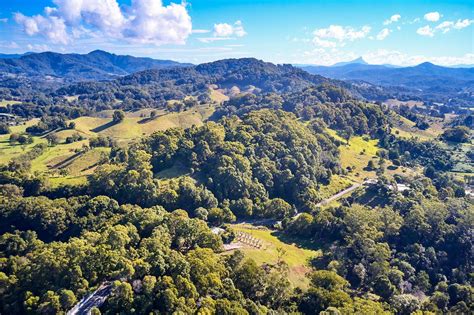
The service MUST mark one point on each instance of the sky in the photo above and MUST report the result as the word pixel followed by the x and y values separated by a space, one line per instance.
pixel 294 31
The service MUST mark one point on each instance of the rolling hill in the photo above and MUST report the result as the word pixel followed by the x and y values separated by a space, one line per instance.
pixel 96 65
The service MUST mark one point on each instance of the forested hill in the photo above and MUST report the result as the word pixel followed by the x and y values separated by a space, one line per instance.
pixel 234 75
pixel 96 65
pixel 243 73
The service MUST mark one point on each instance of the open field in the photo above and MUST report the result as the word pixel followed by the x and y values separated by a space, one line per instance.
pixel 134 126
pixel 406 128
pixel 68 163
pixel 218 96
pixel 4 103
pixel 296 257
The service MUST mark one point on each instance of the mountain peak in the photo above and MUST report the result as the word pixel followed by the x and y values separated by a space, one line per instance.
pixel 359 61
pixel 426 65
pixel 99 52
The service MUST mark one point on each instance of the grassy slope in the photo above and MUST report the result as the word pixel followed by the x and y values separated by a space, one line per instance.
pixel 296 257
pixel 7 151
pixel 406 128
pixel 62 159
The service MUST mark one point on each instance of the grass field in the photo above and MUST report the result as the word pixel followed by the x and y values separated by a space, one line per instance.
pixel 8 152
pixel 357 154
pixel 338 183
pixel 218 96
pixel 134 126
pixel 406 128
pixel 4 103
pixel 67 163
pixel 296 257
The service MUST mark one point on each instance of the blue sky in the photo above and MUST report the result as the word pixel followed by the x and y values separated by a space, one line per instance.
pixel 298 31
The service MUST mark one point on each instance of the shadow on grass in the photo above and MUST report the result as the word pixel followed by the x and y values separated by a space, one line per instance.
pixel 67 161
pixel 104 126
pixel 297 241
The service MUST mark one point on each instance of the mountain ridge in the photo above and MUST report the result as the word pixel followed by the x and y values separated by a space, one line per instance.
pixel 96 65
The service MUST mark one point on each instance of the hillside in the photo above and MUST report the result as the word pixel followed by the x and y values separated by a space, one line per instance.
pixel 96 65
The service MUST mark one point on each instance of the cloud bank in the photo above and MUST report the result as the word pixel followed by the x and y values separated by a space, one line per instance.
pixel 144 21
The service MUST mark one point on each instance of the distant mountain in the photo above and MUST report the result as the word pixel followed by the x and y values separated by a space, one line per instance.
pixel 12 56
pixel 425 77
pixel 359 61
pixel 96 65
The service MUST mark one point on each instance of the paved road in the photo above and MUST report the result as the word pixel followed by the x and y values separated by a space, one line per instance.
pixel 96 299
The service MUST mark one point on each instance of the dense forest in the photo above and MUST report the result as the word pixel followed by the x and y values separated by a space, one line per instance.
pixel 143 221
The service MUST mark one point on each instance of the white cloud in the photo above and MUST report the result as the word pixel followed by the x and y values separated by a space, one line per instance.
pixel 227 30
pixel 52 27
pixel 9 45
pixel 342 33
pixel 460 24
pixel 447 26
pixel 324 43
pixel 199 31
pixel 145 21
pixel 432 16
pixel 425 31
pixel 38 47
pixel 383 34
pixel 337 35
pixel 152 23
pixel 392 19
pixel 4 20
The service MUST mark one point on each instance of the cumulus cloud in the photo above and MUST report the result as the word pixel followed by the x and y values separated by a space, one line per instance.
pixel 52 27
pixel 383 34
pixel 392 19
pixel 337 35
pixel 425 31
pixel 225 31
pixel 342 33
pixel 432 16
pixel 145 21
pixel 151 22
pixel 228 30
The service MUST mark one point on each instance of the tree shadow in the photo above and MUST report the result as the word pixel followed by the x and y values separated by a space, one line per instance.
pixel 299 242
pixel 104 126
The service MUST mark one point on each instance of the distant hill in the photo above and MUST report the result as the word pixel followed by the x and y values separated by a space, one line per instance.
pixel 11 56
pixel 359 61
pixel 96 65
pixel 426 78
